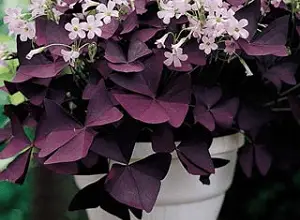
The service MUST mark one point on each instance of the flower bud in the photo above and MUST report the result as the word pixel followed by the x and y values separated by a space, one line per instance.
pixel 34 52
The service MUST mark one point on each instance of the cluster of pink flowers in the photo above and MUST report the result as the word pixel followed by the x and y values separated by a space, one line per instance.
pixel 210 22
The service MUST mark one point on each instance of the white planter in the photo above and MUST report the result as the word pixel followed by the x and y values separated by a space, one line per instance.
pixel 182 196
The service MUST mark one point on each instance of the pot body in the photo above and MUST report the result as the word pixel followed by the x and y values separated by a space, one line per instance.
pixel 182 195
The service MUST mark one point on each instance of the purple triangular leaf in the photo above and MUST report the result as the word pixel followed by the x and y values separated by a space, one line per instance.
pixel 16 170
pixel 163 139
pixel 101 110
pixel 130 23
pixel 76 149
pixel 127 67
pixel 138 182
pixel 263 159
pixel 114 53
pixel 136 50
pixel 145 82
pixel 108 30
pixel 246 157
pixel 145 34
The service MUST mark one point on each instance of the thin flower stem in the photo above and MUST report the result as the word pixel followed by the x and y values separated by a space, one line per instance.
pixel 275 101
pixel 290 90
pixel 280 109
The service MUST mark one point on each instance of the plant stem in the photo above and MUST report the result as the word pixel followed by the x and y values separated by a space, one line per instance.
pixel 290 90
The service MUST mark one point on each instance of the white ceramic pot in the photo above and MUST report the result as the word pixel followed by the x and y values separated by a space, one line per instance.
pixel 182 196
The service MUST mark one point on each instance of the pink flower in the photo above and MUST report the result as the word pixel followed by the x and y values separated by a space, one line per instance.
pixel 106 12
pixel 175 57
pixel 76 29
pixel 208 44
pixel 37 7
pixel 70 56
pixel 236 28
pixel 167 11
pixel 12 14
pixel 161 42
pixel 276 3
pixel 27 31
pixel 231 46
pixel 92 26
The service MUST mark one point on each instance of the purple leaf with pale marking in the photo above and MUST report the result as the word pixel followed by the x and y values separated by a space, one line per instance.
pixel 194 155
pixel 138 184
pixel 136 50
pixel 108 30
pixel 163 139
pixel 171 106
pixel 101 110
pixel 117 60
pixel 95 195
pixel 75 149
pixel 16 170
pixel 283 72
pixel 42 70
pixel 119 145
pixel 145 34
pixel 127 67
pixel 18 141
pixel 130 23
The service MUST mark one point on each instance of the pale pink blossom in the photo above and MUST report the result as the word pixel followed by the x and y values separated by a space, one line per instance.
pixel 160 43
pixel 92 26
pixel 70 56
pixel 208 44
pixel 230 47
pixel 87 4
pixel 175 57
pixel 195 27
pixel 121 2
pixel 236 29
pixel 167 11
pixel 107 12
pixel 76 29
pixel 37 7
pixel 276 3
pixel 12 14
pixel 27 31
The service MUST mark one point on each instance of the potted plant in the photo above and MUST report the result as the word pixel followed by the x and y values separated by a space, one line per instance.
pixel 150 100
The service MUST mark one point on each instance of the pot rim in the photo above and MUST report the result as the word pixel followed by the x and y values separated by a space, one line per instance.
pixel 219 145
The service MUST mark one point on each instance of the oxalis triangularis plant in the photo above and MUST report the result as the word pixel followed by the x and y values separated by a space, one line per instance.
pixel 99 76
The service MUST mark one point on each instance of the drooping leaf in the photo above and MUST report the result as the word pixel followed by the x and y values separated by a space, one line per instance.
pixel 194 155
pixel 94 195
pixel 138 184
pixel 118 146
pixel 130 23
pixel 163 139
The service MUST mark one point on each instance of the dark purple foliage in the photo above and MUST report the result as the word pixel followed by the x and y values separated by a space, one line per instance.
pixel 138 184
pixel 120 91
pixel 210 112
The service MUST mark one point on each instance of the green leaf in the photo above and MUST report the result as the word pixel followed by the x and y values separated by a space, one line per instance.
pixel 17 98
